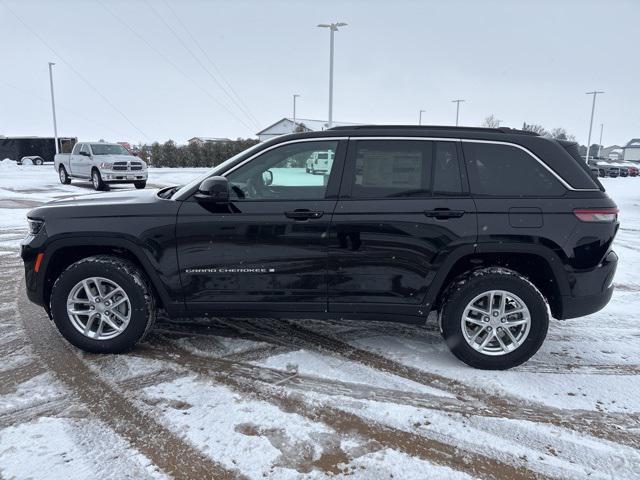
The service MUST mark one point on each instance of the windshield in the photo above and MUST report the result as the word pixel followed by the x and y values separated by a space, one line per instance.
pixel 214 171
pixel 107 149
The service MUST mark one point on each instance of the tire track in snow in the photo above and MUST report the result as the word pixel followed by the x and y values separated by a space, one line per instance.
pixel 233 376
pixel 602 425
pixel 167 451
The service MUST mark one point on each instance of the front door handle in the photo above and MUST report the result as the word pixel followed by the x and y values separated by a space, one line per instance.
pixel 303 214
pixel 444 213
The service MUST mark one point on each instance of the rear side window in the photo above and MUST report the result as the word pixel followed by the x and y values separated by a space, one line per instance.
pixel 392 168
pixel 506 171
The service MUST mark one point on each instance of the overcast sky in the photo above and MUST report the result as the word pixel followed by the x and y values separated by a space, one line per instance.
pixel 527 61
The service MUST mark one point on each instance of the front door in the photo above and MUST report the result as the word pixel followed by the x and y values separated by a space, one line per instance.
pixel 266 249
pixel 404 206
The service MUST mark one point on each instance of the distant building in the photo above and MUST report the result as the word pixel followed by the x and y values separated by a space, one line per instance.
pixel 126 145
pixel 286 125
pixel 631 151
pixel 202 140
pixel 614 152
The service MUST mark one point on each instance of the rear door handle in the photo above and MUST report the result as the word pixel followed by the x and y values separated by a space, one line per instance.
pixel 444 213
pixel 303 214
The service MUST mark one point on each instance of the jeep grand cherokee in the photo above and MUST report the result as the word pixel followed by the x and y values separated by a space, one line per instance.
pixel 493 229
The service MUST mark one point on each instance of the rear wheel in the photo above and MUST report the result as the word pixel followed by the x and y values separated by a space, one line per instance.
pixel 64 176
pixel 494 319
pixel 140 185
pixel 96 180
pixel 38 161
pixel 103 304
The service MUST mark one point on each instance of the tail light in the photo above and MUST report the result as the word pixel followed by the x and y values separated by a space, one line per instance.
pixel 597 214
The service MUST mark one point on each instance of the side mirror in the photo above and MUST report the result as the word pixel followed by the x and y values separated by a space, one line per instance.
pixel 85 154
pixel 213 189
pixel 267 178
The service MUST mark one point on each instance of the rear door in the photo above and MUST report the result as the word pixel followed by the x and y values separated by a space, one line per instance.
pixel 404 207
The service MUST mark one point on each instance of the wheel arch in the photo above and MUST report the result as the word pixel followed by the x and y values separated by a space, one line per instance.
pixel 62 253
pixel 538 263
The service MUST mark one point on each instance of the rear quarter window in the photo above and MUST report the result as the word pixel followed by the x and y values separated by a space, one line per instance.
pixel 501 170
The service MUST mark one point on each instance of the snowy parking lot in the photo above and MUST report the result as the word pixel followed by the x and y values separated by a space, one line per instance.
pixel 260 398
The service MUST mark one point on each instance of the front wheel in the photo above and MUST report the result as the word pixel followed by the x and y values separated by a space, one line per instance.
pixel 494 319
pixel 103 304
pixel 140 185
pixel 96 180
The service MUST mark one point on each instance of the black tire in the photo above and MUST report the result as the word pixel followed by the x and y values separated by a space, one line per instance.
pixel 96 180
pixel 140 185
pixel 129 277
pixel 38 161
pixel 464 289
pixel 63 176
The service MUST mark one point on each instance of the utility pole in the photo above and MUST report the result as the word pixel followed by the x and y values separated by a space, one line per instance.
pixel 457 102
pixel 600 143
pixel 420 117
pixel 53 107
pixel 593 108
pixel 333 27
pixel 295 96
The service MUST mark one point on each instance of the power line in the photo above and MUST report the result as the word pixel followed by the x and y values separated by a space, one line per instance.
pixel 62 107
pixel 193 55
pixel 74 70
pixel 214 65
pixel 172 64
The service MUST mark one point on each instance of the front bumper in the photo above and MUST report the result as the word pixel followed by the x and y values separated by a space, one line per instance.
pixel 591 290
pixel 123 176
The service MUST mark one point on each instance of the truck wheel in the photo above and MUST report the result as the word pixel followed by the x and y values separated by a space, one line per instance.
pixel 103 304
pixel 494 319
pixel 140 185
pixel 96 179
pixel 64 177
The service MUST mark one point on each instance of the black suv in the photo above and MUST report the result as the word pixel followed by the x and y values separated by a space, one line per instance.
pixel 493 229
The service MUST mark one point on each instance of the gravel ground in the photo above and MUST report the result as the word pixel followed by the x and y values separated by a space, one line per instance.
pixel 230 398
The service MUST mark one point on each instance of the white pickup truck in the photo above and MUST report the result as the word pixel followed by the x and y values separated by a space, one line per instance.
pixel 102 163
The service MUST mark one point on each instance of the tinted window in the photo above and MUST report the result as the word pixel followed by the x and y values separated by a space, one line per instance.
pixel 446 169
pixel 84 148
pixel 282 173
pixel 392 168
pixel 503 170
pixel 76 149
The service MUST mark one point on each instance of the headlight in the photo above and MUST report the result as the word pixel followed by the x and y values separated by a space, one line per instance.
pixel 35 225
pixel 106 165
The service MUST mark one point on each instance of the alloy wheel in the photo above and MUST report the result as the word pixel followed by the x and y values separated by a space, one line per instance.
pixel 99 308
pixel 496 322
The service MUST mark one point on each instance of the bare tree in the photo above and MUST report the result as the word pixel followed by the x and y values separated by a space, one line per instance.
pixel 491 121
pixel 532 127
pixel 560 133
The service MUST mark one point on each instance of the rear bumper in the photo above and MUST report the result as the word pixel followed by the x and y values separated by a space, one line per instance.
pixel 591 290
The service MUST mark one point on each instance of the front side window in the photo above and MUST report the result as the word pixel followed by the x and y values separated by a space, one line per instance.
pixel 76 149
pixel 507 171
pixel 84 148
pixel 283 173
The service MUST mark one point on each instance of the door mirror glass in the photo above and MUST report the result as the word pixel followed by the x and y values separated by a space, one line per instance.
pixel 214 189
pixel 267 178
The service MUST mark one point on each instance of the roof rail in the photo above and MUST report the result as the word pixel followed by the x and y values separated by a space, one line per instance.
pixel 434 127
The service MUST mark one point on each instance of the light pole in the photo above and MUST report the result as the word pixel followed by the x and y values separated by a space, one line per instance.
pixel 53 107
pixel 600 142
pixel 593 108
pixel 333 27
pixel 457 102
pixel 420 117
pixel 295 96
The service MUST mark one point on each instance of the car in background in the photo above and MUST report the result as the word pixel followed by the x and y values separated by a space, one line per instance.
pixel 319 162
pixel 606 169
pixel 103 164
pixel 633 171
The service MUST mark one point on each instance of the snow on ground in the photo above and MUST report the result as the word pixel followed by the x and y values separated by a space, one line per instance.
pixel 311 399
